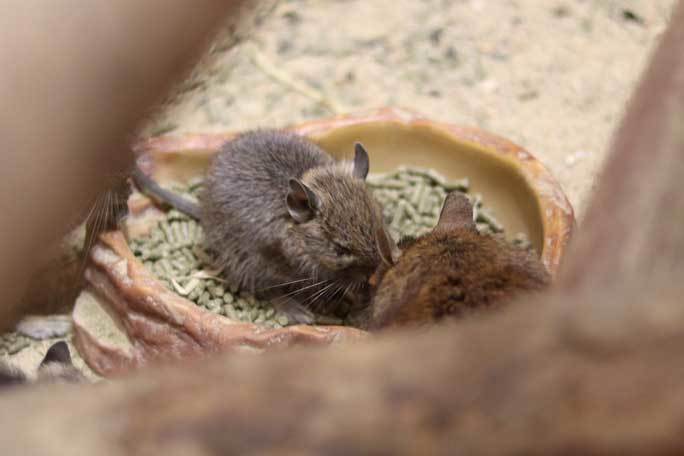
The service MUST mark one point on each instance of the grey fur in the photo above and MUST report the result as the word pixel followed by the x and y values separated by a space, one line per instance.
pixel 260 246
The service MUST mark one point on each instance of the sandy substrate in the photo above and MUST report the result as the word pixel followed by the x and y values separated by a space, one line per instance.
pixel 552 76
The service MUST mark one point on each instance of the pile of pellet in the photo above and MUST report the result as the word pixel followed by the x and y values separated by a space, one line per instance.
pixel 173 252
pixel 412 199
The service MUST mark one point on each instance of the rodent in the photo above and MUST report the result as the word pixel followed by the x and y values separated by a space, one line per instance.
pixel 287 222
pixel 56 367
pixel 452 272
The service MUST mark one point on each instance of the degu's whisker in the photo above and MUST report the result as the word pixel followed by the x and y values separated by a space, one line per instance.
pixel 286 283
pixel 300 290
pixel 312 299
pixel 336 296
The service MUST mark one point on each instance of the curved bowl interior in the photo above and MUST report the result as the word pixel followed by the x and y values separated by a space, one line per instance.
pixel 503 187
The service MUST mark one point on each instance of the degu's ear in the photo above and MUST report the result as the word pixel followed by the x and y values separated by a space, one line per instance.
pixel 57 353
pixel 361 165
pixel 457 212
pixel 302 202
pixel 389 252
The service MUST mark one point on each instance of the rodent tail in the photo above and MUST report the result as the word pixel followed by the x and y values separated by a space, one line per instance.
pixel 152 189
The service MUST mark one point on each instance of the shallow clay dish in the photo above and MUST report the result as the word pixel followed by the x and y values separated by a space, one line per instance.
pixel 126 318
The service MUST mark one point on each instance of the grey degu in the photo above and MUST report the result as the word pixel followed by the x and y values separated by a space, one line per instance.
pixel 285 221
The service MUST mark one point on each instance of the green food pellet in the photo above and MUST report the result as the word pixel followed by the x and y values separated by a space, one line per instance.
pixel 253 314
pixel 157 235
pixel 214 305
pixel 166 266
pixel 231 313
pixel 398 215
pixel 180 266
pixel 176 230
pixel 394 183
pixel 194 294
pixel 485 217
pixel 185 231
pixel 219 291
pixel 187 254
pixel 168 234
pixel 461 185
pixel 173 215
pixel 435 177
pixel 411 211
pixel 17 346
pixel 424 203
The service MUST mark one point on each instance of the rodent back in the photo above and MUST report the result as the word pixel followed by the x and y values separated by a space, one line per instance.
pixel 254 170
pixel 452 274
pixel 244 211
pixel 452 271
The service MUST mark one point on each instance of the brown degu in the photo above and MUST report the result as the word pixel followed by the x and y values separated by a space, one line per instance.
pixel 451 272
pixel 285 221
pixel 56 367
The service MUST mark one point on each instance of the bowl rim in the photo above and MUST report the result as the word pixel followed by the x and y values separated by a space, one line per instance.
pixel 556 212
pixel 141 301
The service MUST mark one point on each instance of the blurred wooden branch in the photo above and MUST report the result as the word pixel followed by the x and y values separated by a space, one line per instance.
pixel 76 81
pixel 592 367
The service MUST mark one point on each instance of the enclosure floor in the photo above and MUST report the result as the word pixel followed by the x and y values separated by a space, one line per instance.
pixel 552 76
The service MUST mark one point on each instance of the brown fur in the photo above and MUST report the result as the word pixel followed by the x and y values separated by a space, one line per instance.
pixel 452 272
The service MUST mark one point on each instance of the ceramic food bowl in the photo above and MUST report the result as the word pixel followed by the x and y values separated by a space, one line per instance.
pixel 126 318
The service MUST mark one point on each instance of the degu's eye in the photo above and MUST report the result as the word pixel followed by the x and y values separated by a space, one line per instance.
pixel 342 250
